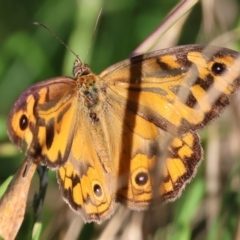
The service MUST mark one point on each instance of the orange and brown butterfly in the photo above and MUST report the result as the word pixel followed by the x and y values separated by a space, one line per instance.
pixel 103 134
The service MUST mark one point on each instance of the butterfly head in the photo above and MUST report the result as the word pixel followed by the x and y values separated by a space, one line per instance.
pixel 80 69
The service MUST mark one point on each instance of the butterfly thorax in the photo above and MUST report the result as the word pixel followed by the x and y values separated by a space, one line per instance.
pixel 88 91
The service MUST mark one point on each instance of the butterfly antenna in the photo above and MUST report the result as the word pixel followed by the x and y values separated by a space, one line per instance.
pixel 58 38
pixel 94 31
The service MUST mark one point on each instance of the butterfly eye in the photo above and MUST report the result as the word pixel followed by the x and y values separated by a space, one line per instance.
pixel 218 68
pixel 97 190
pixel 23 123
pixel 141 178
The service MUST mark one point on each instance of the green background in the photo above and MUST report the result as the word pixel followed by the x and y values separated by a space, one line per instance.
pixel 28 54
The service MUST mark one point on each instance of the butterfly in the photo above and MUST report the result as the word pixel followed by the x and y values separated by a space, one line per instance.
pixel 103 134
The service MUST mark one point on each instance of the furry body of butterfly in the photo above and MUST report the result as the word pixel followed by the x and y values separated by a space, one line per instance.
pixel 104 133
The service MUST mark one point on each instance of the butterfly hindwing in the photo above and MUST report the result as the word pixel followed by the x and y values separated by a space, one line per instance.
pixel 142 145
pixel 182 158
pixel 85 184
pixel 85 189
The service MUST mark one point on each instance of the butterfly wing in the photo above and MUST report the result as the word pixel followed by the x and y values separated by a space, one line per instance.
pixel 43 116
pixel 177 89
pixel 174 91
pixel 84 183
pixel 136 145
pixel 51 119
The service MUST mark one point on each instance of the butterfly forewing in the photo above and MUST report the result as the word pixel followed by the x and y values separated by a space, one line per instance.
pixel 173 88
pixel 49 109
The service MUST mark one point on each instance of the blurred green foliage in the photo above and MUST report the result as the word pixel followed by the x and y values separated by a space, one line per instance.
pixel 29 54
